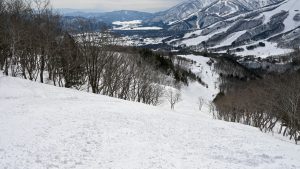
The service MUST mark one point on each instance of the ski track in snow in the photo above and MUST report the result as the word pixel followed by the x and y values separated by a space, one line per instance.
pixel 43 126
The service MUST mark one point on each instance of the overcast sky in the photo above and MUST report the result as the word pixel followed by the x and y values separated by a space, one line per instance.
pixel 111 5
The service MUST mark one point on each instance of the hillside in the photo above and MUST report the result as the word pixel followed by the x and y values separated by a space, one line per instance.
pixel 276 25
pixel 73 94
pixel 48 127
pixel 260 28
pixel 109 17
pixel 208 10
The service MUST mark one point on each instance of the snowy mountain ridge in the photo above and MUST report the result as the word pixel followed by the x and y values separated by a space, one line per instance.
pixel 276 24
pixel 108 17
pixel 258 28
pixel 194 8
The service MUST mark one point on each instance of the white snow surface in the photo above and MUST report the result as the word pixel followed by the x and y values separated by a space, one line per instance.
pixel 292 6
pixel 231 38
pixel 197 40
pixel 43 126
pixel 139 28
pixel 139 41
pixel 121 23
pixel 191 41
pixel 133 25
pixel 207 75
pixel 270 49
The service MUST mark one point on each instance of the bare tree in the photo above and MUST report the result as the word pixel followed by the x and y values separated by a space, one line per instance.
pixel 200 103
pixel 4 46
pixel 32 44
pixel 173 96
pixel 264 103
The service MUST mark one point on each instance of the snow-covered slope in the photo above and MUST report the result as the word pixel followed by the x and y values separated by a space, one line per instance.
pixel 278 23
pixel 180 11
pixel 208 9
pixel 202 67
pixel 207 74
pixel 271 49
pixel 43 126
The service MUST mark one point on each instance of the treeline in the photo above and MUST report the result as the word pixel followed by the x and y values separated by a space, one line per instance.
pixel 171 65
pixel 167 63
pixel 27 37
pixel 33 46
pixel 264 102
pixel 232 72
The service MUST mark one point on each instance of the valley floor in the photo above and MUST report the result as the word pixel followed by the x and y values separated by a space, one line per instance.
pixel 43 126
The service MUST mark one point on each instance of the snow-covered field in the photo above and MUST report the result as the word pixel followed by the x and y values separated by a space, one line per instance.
pixel 43 126
pixel 132 25
pixel 270 49
pixel 139 41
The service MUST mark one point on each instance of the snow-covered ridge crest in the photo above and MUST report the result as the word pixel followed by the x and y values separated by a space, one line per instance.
pixel 191 8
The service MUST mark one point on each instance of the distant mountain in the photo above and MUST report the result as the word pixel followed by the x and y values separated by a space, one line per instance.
pixel 109 17
pixel 64 11
pixel 240 25
pixel 235 25
pixel 180 11
pixel 219 25
pixel 202 13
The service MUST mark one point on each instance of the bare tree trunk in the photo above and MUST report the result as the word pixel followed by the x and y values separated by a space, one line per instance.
pixel 42 66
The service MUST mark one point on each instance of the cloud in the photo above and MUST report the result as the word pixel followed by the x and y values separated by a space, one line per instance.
pixel 110 5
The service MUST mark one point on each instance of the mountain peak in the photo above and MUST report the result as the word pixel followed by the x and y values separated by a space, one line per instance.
pixel 192 8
